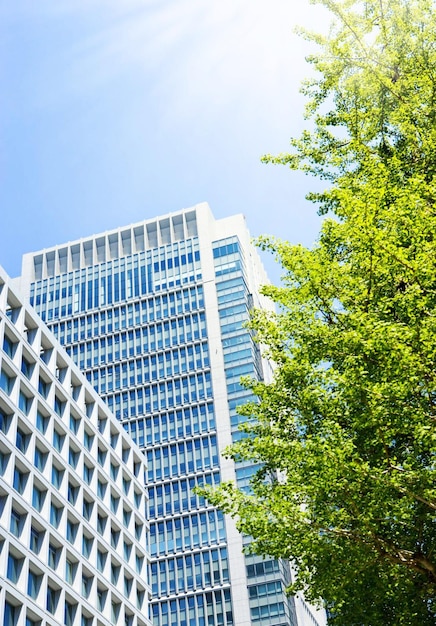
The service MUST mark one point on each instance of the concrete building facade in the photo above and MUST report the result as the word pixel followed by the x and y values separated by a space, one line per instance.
pixel 73 525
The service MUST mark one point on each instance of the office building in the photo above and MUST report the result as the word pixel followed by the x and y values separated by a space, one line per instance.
pixel 73 503
pixel 154 315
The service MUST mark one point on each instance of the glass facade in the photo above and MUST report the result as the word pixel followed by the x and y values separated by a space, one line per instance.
pixel 137 327
pixel 154 315
pixel 266 582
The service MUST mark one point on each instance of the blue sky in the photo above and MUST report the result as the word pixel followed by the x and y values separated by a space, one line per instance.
pixel 115 111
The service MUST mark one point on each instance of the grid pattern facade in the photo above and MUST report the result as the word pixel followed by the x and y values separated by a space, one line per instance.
pixel 267 580
pixel 154 315
pixel 73 529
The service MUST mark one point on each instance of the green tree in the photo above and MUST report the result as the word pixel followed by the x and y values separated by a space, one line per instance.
pixel 345 432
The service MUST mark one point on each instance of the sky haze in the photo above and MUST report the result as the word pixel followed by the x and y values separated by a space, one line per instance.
pixel 114 112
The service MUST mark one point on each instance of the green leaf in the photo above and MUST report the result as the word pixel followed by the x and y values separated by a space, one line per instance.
pixel 346 431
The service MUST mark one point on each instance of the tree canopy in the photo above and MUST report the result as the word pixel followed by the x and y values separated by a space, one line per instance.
pixel 346 432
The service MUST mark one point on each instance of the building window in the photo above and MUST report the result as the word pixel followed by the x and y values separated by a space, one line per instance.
pixel 34 584
pixel 101 598
pixel 101 489
pixel 138 530
pixel 17 522
pixel 69 613
pixel 70 571
pixel 54 553
pixel 56 476
pixel 24 403
pixel 101 456
pixel 75 391
pixel 38 498
pixel 126 517
pixel 114 471
pixel 15 565
pixel 73 457
pixel 22 440
pixel 126 486
pixel 40 459
pixel 73 492
pixel 59 406
pixel 114 503
pixel 88 438
pixel 101 524
pixel 55 515
pixel 101 560
pixel 87 473
pixel 11 614
pixel 115 573
pixel 137 499
pixel 140 594
pixel 72 528
pixel 87 509
pixel 6 382
pixel 4 458
pixel 115 613
pixel 5 421
pixel 20 480
pixel 41 422
pixel 86 585
pixel 52 599
pixel 139 563
pixel 36 537
pixel 26 367
pixel 58 440
pixel 74 424
pixel 9 346
pixel 127 550
pixel 86 546
pixel 43 388
pixel 128 582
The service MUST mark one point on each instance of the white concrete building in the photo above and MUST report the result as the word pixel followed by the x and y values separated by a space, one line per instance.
pixel 73 526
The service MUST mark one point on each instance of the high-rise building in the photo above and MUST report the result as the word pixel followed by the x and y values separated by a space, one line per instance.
pixel 72 498
pixel 154 315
